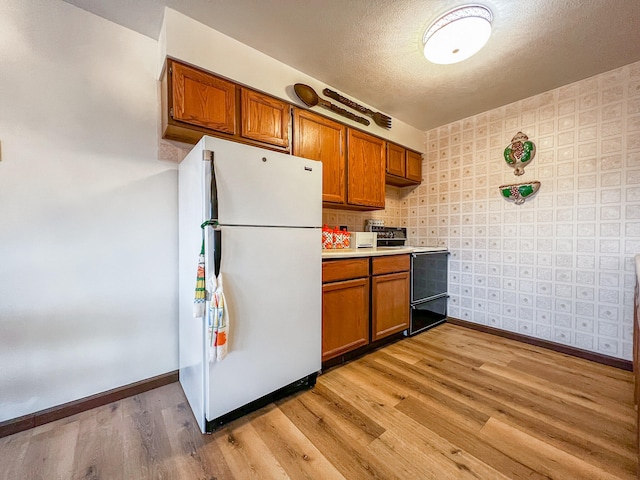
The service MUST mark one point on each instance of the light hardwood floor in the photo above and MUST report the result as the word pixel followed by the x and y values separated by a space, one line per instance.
pixel 451 403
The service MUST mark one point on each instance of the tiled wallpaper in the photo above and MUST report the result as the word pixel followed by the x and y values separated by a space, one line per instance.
pixel 559 267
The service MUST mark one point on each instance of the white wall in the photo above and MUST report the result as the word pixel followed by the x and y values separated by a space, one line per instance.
pixel 88 214
pixel 193 42
pixel 560 267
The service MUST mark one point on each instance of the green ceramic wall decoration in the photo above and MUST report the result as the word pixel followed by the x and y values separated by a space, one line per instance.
pixel 519 153
pixel 518 192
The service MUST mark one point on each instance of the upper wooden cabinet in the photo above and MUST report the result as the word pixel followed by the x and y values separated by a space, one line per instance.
pixel 318 138
pixel 201 99
pixel 365 170
pixel 265 118
pixel 355 164
pixel 414 166
pixel 404 167
pixel 396 160
pixel 196 103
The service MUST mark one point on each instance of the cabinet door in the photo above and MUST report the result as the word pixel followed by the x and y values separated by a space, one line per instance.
pixel 390 304
pixel 395 160
pixel 265 118
pixel 345 317
pixel 202 99
pixel 366 170
pixel 318 138
pixel 414 166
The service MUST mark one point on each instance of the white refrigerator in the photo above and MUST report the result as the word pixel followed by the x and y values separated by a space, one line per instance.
pixel 267 247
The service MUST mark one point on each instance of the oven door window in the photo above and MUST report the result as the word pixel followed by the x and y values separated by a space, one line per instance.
pixel 429 275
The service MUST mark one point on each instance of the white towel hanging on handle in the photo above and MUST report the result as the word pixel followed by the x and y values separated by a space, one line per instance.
pixel 218 320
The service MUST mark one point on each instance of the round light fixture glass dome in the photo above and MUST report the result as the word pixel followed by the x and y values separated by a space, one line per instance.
pixel 458 34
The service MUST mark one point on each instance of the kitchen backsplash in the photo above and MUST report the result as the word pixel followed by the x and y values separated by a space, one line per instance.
pixel 393 215
pixel 560 266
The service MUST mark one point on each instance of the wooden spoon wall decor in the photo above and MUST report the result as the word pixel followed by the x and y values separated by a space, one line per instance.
pixel 310 98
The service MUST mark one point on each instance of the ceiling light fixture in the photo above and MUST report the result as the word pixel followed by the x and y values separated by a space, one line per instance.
pixel 457 34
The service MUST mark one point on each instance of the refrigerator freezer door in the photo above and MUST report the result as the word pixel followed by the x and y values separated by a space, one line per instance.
pixel 272 283
pixel 264 188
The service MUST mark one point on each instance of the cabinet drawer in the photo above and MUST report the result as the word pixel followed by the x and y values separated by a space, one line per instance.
pixel 390 264
pixel 336 270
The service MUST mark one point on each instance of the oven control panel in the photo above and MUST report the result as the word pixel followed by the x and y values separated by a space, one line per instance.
pixel 390 236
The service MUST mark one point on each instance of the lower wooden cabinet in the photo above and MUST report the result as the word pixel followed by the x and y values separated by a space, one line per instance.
pixel 389 304
pixel 363 300
pixel 345 316
pixel 390 296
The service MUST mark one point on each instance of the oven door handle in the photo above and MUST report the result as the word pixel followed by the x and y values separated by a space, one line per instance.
pixel 415 254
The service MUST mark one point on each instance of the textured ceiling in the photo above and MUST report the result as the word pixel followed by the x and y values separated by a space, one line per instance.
pixel 371 49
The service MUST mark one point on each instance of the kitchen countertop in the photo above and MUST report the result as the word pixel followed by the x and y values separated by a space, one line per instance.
pixel 376 252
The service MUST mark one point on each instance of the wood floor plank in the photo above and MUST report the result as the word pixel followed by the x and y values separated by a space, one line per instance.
pixel 12 453
pixel 448 418
pixel 621 456
pixel 450 403
pixel 297 455
pixel 50 453
pixel 99 453
pixel 247 455
pixel 411 440
pixel 347 450
pixel 600 400
pixel 433 456
pixel 610 387
pixel 459 437
pixel 438 405
pixel 195 455
pixel 541 456
pixel 540 403
pixel 405 352
pixel 551 358
pixel 145 440
pixel 543 406
pixel 470 442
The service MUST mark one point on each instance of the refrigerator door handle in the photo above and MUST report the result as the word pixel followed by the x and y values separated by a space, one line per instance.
pixel 217 251
pixel 209 156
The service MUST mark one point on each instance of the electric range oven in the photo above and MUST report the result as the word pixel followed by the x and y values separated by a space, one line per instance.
pixel 429 274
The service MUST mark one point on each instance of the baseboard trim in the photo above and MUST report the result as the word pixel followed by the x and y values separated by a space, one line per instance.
pixel 557 347
pixel 15 425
